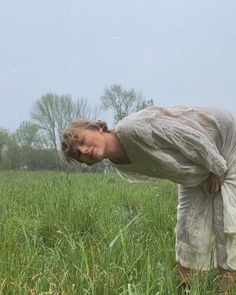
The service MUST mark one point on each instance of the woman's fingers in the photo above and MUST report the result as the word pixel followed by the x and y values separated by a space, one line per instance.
pixel 215 183
pixel 215 187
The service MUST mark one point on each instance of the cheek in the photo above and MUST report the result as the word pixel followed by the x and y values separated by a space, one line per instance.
pixel 99 152
pixel 99 143
pixel 102 147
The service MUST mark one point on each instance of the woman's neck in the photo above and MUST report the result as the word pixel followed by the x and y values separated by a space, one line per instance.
pixel 116 152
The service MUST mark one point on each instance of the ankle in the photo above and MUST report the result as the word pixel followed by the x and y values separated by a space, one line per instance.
pixel 226 280
pixel 184 272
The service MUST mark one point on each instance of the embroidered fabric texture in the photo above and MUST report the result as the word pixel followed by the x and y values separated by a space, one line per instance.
pixel 183 145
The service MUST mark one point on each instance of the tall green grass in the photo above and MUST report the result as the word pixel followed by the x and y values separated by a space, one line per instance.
pixel 88 234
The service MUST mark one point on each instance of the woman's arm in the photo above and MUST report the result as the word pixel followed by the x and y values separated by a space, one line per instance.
pixel 194 145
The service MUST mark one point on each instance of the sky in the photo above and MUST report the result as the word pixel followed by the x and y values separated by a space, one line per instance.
pixel 177 52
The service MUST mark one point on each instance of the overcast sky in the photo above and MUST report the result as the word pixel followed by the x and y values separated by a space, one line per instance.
pixel 174 51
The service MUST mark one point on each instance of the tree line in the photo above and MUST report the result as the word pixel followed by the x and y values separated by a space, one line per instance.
pixel 35 144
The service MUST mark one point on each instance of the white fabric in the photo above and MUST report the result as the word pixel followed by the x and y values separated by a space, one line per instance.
pixel 184 145
pixel 201 243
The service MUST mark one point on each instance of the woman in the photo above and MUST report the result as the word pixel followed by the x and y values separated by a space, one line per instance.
pixel 194 147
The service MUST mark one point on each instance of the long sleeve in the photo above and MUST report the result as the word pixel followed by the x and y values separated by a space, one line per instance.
pixel 182 145
pixel 194 145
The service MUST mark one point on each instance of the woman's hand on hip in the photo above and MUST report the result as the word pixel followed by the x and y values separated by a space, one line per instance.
pixel 215 182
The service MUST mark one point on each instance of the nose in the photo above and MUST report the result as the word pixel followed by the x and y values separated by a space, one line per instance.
pixel 84 150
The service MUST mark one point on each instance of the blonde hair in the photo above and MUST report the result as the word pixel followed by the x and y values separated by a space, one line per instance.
pixel 70 138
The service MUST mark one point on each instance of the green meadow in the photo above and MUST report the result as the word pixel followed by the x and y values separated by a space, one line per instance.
pixel 65 234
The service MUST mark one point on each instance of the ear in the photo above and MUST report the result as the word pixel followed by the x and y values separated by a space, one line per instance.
pixel 100 130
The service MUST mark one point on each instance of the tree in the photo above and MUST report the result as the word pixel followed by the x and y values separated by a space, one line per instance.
pixel 31 142
pixel 4 139
pixel 122 102
pixel 85 111
pixel 49 112
pixel 28 136
pixel 144 104
pixel 11 154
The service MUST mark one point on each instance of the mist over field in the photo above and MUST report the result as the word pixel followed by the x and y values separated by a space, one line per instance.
pixel 174 52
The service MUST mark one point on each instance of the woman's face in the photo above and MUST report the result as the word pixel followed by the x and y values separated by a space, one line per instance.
pixel 91 146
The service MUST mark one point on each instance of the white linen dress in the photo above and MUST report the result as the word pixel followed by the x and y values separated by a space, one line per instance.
pixel 185 145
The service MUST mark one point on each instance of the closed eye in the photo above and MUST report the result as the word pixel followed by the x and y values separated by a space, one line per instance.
pixel 81 140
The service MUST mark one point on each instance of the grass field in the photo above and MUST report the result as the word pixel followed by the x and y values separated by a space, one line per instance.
pixel 88 234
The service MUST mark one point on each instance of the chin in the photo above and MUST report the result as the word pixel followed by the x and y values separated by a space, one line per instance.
pixel 98 157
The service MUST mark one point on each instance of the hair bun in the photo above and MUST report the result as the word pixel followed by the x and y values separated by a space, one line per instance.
pixel 102 124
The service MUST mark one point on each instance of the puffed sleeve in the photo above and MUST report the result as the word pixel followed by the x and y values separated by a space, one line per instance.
pixel 193 144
